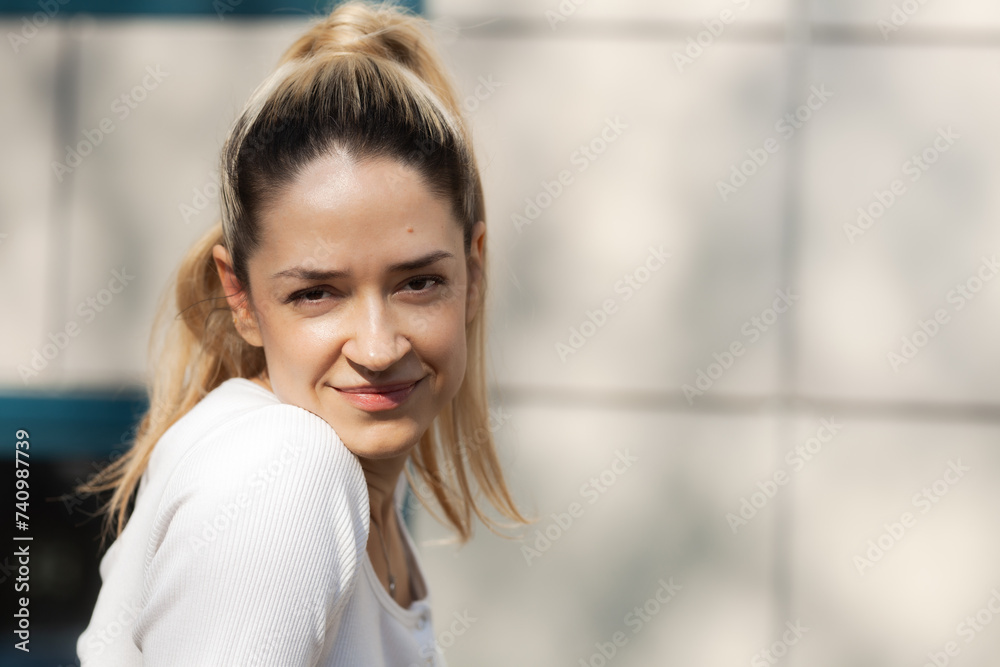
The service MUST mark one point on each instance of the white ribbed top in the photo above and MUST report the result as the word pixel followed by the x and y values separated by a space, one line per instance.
pixel 247 547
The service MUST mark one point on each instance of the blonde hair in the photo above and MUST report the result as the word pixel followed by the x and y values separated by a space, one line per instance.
pixel 365 80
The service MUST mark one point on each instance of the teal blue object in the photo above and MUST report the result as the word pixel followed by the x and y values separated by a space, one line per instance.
pixel 67 425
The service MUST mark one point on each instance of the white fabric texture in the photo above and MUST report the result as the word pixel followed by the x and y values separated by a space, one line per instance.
pixel 247 546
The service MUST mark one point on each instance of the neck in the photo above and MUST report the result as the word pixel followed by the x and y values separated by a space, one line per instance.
pixel 382 476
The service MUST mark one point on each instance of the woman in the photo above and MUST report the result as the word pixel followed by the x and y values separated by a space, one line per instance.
pixel 329 338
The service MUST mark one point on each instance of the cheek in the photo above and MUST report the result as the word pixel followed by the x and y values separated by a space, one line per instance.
pixel 442 342
pixel 297 350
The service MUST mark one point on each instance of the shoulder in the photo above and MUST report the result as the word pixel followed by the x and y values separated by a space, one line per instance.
pixel 267 439
pixel 220 410
pixel 276 474
pixel 268 510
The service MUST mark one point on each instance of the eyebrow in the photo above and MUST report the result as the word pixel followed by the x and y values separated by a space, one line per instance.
pixel 331 274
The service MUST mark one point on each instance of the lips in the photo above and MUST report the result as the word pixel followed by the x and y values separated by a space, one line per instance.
pixel 377 388
pixel 374 398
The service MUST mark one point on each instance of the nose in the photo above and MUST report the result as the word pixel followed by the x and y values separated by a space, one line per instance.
pixel 376 341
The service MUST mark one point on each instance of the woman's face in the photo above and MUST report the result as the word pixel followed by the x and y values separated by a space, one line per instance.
pixel 360 296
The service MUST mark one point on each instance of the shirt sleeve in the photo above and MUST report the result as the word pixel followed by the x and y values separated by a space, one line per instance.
pixel 255 547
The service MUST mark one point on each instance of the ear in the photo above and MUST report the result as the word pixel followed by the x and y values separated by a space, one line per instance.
pixel 474 270
pixel 245 320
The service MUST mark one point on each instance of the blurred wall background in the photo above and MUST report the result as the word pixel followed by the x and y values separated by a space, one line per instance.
pixel 744 319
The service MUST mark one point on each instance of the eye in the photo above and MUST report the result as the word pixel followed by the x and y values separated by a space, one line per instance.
pixel 423 280
pixel 311 295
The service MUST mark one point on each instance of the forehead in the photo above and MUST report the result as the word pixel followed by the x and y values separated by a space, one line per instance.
pixel 346 211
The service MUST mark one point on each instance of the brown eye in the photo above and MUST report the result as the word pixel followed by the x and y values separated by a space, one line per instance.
pixel 424 280
pixel 311 295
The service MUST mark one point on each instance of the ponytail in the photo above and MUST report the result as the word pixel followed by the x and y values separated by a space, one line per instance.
pixel 200 350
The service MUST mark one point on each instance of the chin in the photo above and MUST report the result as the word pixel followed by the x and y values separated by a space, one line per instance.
pixel 380 440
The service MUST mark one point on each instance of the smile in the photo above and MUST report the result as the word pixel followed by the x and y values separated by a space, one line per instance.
pixel 374 401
